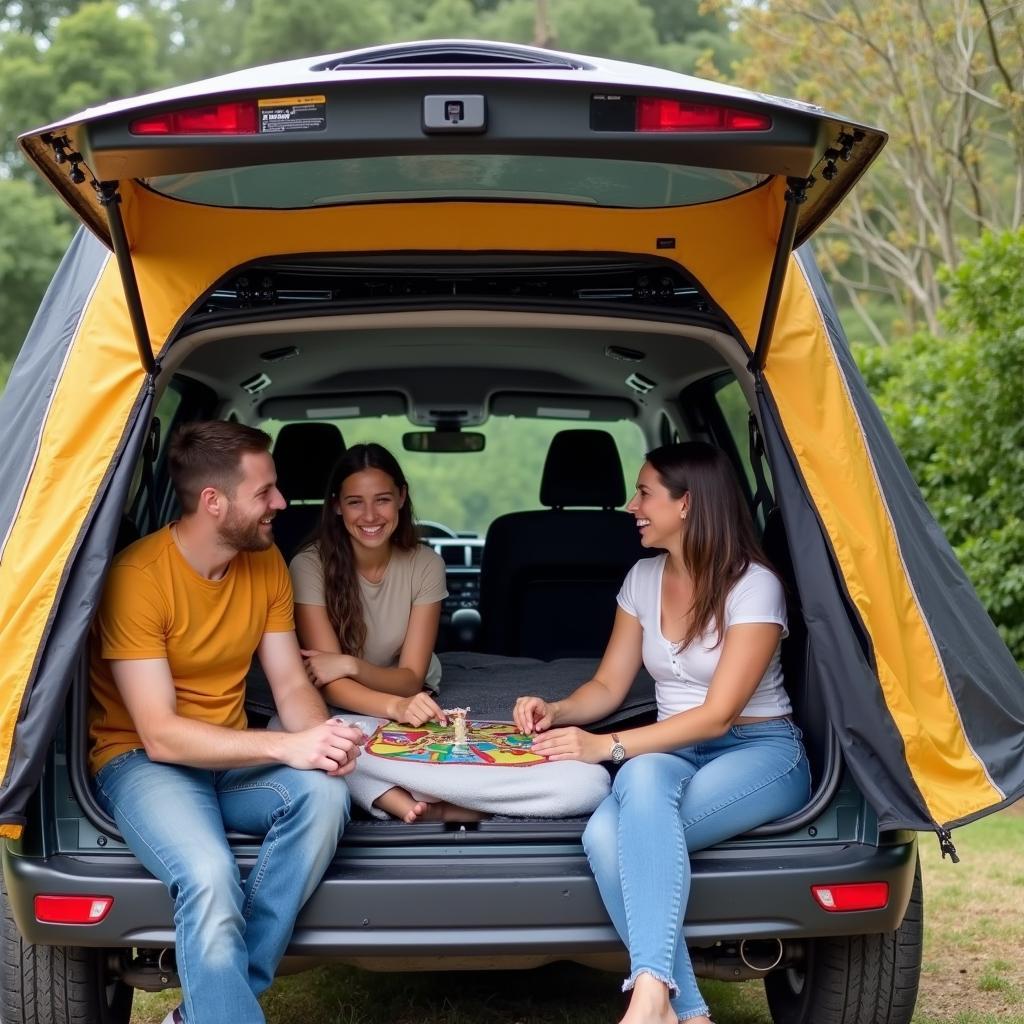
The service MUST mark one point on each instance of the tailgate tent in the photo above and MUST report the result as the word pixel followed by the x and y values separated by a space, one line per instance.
pixel 926 700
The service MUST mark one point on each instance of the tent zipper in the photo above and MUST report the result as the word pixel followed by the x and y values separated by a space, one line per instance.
pixel 946 845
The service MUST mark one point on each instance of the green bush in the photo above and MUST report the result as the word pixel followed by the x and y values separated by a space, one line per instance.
pixel 955 405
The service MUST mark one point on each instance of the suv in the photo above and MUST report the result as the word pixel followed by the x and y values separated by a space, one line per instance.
pixel 453 236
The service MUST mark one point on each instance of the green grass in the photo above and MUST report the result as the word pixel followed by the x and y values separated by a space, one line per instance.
pixel 971 974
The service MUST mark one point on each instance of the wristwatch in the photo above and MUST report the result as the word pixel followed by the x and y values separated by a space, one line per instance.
pixel 618 750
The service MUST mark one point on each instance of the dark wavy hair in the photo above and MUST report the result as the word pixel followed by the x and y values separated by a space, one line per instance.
pixel 331 539
pixel 719 541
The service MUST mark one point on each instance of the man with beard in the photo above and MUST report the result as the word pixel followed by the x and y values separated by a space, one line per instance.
pixel 183 611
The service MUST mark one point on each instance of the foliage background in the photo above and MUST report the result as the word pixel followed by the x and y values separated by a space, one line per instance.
pixel 926 257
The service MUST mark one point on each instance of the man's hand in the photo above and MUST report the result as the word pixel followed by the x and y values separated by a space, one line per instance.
pixel 416 710
pixel 572 744
pixel 323 668
pixel 331 747
pixel 531 714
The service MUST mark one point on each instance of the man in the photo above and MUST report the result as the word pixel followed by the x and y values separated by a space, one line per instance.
pixel 182 613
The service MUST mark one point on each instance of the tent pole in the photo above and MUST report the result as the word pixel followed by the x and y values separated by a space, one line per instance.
pixel 110 200
pixel 796 194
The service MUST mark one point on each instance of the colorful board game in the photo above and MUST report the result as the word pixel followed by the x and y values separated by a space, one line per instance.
pixel 479 743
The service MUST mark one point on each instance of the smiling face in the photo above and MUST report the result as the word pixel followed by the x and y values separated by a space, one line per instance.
pixel 368 503
pixel 246 525
pixel 658 515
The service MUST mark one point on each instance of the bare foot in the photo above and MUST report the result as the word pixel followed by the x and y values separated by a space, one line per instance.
pixel 441 810
pixel 649 1004
pixel 647 1015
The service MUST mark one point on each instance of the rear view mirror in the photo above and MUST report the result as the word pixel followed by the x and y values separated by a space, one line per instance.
pixel 443 441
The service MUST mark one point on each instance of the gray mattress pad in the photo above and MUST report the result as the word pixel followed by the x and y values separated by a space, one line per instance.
pixel 490 683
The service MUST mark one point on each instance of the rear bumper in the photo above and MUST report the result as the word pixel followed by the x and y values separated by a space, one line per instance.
pixel 463 903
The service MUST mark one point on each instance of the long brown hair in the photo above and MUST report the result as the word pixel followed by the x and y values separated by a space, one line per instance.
pixel 719 542
pixel 334 545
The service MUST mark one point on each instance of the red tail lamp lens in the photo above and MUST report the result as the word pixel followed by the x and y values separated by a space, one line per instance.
pixel 851 896
pixel 72 909
pixel 654 114
pixel 217 119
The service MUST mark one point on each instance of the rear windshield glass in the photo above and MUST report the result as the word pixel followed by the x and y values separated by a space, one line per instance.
pixel 556 179
pixel 467 491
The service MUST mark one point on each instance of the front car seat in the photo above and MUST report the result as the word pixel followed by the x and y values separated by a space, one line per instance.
pixel 549 578
pixel 304 454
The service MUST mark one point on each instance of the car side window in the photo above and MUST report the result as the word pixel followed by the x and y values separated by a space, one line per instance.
pixel 732 403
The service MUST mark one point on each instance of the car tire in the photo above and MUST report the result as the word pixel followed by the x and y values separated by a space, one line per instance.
pixel 856 979
pixel 57 984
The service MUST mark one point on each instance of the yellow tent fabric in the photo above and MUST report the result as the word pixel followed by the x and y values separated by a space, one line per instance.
pixel 179 250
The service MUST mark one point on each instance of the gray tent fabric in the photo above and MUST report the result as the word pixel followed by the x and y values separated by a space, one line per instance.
pixel 25 401
pixel 21 418
pixel 871 744
pixel 986 683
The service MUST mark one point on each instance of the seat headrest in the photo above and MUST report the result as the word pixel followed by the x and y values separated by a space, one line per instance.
pixel 304 454
pixel 582 468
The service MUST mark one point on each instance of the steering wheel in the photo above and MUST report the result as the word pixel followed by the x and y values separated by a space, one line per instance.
pixel 428 528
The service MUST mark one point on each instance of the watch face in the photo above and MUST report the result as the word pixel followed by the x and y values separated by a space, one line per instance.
pixel 618 753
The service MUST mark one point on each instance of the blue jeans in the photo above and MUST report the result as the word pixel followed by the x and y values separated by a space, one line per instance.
pixel 665 806
pixel 229 936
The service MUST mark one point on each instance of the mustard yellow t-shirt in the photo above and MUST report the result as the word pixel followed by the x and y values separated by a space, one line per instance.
pixel 155 605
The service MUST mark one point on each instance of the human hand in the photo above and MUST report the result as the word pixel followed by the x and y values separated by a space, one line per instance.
pixel 572 744
pixel 330 747
pixel 416 710
pixel 531 714
pixel 323 668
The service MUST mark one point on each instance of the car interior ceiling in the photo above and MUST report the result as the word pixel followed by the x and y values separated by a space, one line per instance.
pixel 443 361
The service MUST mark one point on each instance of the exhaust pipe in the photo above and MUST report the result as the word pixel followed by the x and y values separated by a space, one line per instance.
pixel 747 959
pixel 761 955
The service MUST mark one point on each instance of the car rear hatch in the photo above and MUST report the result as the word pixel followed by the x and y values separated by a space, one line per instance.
pixel 440 148
pixel 444 121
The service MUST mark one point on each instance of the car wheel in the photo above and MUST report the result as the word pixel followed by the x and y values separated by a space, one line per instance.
pixel 57 984
pixel 857 979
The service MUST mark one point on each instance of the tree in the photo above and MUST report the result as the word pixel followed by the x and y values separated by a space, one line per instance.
pixel 35 17
pixel 446 19
pixel 954 407
pixel 302 28
pixel 96 54
pixel 944 77
pixel 33 237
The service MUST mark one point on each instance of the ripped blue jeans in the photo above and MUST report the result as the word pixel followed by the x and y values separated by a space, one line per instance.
pixel 662 808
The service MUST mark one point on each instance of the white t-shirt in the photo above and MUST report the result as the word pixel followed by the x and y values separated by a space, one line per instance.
pixel 682 675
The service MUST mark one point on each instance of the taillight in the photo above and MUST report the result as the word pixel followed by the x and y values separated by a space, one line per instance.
pixel 655 114
pixel 852 896
pixel 216 119
pixel 72 909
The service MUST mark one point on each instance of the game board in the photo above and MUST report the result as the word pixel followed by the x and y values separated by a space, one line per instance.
pixel 485 744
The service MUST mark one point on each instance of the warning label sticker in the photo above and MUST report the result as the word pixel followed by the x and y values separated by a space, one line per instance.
pixel 293 114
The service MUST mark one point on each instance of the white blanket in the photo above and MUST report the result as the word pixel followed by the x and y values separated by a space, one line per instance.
pixel 555 789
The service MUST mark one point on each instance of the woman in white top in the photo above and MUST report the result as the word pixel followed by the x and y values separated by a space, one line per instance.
pixel 706 618
pixel 367 605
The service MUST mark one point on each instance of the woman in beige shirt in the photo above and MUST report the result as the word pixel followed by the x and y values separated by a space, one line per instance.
pixel 367 605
